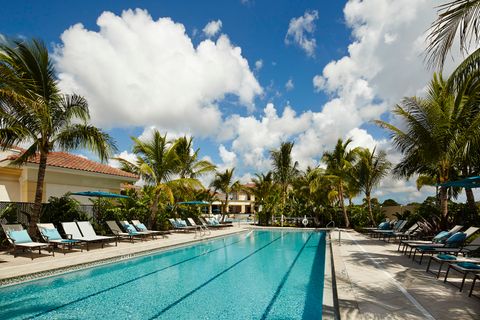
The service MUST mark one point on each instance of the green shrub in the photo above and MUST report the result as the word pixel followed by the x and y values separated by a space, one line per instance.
pixel 62 209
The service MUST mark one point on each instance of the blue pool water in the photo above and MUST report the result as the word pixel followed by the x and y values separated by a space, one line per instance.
pixel 259 275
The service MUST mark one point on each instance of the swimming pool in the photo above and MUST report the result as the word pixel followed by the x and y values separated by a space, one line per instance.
pixel 259 275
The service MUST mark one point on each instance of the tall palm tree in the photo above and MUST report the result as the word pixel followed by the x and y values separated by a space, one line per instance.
pixel 459 17
pixel 440 131
pixel 368 171
pixel 33 111
pixel 265 193
pixel 224 182
pixel 284 169
pixel 157 163
pixel 189 166
pixel 339 165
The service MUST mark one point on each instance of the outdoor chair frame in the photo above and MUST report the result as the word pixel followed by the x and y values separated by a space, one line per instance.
pixel 30 246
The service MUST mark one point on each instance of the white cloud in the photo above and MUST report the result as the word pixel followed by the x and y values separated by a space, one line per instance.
pixel 136 71
pixel 318 83
pixel 300 32
pixel 212 28
pixel 289 85
pixel 229 158
pixel 258 64
pixel 130 157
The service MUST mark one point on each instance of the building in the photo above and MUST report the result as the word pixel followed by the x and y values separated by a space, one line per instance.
pixel 238 202
pixel 65 173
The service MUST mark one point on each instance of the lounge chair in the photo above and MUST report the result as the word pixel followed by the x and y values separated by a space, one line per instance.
pixel 453 244
pixel 19 238
pixel 465 268
pixel 438 238
pixel 211 223
pixel 380 225
pixel 455 250
pixel 86 234
pixel 119 233
pixel 200 227
pixel 397 228
pixel 141 227
pixel 51 235
pixel 442 259
pixel 180 227
pixel 385 226
pixel 475 278
pixel 410 232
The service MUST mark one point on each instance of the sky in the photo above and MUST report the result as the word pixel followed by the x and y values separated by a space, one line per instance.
pixel 240 76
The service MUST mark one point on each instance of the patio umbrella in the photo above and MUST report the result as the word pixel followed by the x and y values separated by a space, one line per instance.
pixel 194 203
pixel 470 182
pixel 99 194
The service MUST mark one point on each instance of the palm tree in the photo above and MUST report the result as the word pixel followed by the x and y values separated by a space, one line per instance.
pixel 188 164
pixel 284 169
pixel 460 17
pixel 339 164
pixel 265 193
pixel 157 163
pixel 33 111
pixel 223 182
pixel 367 172
pixel 441 133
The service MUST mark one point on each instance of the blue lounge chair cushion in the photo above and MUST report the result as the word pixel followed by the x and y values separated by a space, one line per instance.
pixel 456 239
pixel 384 226
pixel 446 257
pixel 441 237
pixel 469 265
pixel 141 227
pixel 51 234
pixel 21 236
pixel 426 248
pixel 130 229
pixel 182 223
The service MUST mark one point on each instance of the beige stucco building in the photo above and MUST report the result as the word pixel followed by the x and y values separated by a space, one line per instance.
pixel 238 202
pixel 65 173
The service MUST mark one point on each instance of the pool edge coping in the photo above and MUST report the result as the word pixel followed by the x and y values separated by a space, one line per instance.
pixel 24 278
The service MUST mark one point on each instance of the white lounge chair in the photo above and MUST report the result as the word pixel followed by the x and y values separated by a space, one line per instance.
pixel 86 234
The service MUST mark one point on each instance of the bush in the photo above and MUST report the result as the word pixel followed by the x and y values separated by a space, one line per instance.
pixel 62 209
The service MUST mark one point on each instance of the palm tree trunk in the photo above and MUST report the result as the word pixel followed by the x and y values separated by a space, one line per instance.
pixel 154 212
pixel 471 201
pixel 37 206
pixel 342 204
pixel 369 203
pixel 444 204
pixel 225 208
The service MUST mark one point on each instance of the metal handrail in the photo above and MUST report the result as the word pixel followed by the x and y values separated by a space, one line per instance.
pixel 331 222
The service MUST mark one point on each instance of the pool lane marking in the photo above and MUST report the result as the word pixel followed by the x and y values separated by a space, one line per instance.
pixel 397 284
pixel 173 304
pixel 133 280
pixel 284 280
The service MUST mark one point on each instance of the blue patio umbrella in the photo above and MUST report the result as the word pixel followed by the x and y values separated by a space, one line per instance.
pixel 99 194
pixel 470 182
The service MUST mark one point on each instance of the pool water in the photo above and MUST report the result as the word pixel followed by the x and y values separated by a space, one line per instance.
pixel 255 275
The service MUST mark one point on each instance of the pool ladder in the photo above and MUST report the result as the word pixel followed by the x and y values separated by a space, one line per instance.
pixel 334 228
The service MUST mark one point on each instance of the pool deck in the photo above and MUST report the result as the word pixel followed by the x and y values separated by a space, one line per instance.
pixel 375 281
pixel 22 267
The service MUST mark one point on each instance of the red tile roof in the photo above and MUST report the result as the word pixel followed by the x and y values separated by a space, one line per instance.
pixel 71 161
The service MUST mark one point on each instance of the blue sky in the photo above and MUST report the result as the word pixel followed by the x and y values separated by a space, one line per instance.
pixel 265 71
